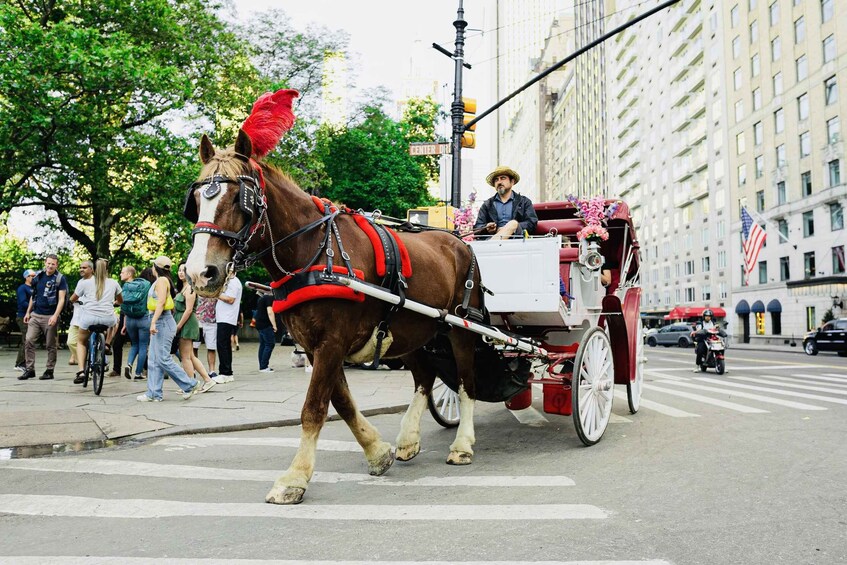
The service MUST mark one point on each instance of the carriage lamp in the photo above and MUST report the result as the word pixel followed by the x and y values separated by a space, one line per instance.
pixel 837 303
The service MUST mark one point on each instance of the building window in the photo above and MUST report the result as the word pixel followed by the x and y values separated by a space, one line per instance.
pixel 834 173
pixel 803 106
pixel 739 143
pixel 782 227
pixel 758 133
pixel 751 5
pixel 780 155
pixel 736 47
pixel 721 259
pixel 760 201
pixel 784 269
pixel 780 193
pixel 809 265
pixel 689 294
pixel 777 84
pixel 739 111
pixel 779 121
pixel 736 78
pixel 810 318
pixel 836 216
pixel 757 99
pixel 833 130
pixel 806 183
pixel 733 16
pixel 760 323
pixel 799 29
pixel 721 229
pixel 706 293
pixel 802 68
pixel 773 11
pixel 689 267
pixel 760 166
pixel 776 49
pixel 763 272
pixel 755 67
pixel 754 32
pixel 838 260
pixel 827 9
pixel 722 290
pixel 830 90
pixel 805 144
pixel 742 175
pixel 707 264
pixel 776 322
pixel 829 49
pixel 808 223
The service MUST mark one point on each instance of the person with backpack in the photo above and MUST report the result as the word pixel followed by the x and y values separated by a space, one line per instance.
pixel 42 316
pixel 136 322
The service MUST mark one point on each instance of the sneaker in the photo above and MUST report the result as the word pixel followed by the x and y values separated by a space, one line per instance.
pixel 21 368
pixel 308 369
pixel 207 386
pixel 140 377
pixel 196 389
pixel 47 376
pixel 266 370
pixel 221 379
pixel 80 378
pixel 212 375
pixel 145 398
pixel 128 372
pixel 28 374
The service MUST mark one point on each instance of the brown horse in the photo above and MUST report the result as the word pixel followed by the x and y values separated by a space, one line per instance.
pixel 330 329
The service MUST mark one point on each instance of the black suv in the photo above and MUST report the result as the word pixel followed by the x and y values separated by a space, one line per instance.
pixel 831 337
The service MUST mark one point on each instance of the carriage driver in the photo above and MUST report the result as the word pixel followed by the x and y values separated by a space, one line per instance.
pixel 507 211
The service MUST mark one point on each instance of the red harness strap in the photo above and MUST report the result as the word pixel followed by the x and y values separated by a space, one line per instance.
pixel 317 291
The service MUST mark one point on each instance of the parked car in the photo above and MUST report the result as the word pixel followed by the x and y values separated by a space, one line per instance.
pixel 832 336
pixel 674 334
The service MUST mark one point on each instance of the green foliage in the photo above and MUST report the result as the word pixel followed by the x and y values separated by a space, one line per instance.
pixel 421 116
pixel 370 166
pixel 827 316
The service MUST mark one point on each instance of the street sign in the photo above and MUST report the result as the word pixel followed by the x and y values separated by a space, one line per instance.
pixel 429 148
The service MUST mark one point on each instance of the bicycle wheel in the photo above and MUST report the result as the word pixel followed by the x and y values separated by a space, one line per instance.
pixel 99 365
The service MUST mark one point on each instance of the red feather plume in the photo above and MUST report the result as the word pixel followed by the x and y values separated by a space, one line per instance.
pixel 272 116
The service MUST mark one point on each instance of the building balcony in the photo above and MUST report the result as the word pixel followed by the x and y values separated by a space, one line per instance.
pixel 699 158
pixel 681 168
pixel 681 192
pixel 680 145
pixel 699 189
pixel 679 120
pixel 696 131
pixel 696 104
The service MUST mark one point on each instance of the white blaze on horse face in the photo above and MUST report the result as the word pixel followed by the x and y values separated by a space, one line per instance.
pixel 197 260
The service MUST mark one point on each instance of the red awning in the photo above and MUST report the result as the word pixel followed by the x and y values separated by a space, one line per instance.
pixel 683 313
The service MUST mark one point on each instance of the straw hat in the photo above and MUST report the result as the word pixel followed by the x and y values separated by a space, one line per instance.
pixel 502 170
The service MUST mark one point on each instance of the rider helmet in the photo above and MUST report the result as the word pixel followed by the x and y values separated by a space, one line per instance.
pixel 707 313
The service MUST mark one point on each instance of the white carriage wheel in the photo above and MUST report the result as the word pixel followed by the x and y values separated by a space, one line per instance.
pixel 593 386
pixel 443 404
pixel 633 389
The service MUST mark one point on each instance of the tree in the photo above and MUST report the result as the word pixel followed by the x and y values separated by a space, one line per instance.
pixel 421 115
pixel 370 165
pixel 88 91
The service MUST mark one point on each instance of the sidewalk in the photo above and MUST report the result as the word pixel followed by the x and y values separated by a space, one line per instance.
pixel 41 417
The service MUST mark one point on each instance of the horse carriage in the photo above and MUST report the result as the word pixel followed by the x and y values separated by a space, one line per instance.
pixel 476 318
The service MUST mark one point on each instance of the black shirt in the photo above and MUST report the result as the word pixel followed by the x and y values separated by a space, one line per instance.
pixel 261 317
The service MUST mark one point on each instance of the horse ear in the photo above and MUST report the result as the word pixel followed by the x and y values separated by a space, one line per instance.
pixel 207 150
pixel 243 145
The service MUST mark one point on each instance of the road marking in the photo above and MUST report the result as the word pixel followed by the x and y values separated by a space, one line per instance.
pixel 660 408
pixel 839 383
pixel 782 367
pixel 84 507
pixel 190 443
pixel 840 376
pixel 141 469
pixel 112 560
pixel 762 381
pixel 663 375
pixel 775 391
pixel 707 400
pixel 760 398
pixel 530 417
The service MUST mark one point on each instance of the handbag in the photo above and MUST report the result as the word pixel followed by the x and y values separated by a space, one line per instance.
pixel 153 302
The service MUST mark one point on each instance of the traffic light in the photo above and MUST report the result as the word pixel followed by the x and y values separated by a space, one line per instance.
pixel 469 137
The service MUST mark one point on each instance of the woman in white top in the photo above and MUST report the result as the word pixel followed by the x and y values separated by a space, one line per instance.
pixel 97 297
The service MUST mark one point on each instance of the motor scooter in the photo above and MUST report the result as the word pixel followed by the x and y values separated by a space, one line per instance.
pixel 715 351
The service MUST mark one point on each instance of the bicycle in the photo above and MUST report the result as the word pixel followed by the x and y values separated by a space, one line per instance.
pixel 95 361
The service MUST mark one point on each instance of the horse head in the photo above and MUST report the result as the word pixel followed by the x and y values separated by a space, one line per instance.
pixel 226 204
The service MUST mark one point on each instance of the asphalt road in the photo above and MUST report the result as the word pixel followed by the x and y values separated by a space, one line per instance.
pixel 747 468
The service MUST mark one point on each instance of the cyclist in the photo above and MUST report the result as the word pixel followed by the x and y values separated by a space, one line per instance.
pixel 96 297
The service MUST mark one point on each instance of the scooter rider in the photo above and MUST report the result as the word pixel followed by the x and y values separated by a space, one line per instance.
pixel 699 334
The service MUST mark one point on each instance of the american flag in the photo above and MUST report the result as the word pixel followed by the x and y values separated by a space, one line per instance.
pixel 754 237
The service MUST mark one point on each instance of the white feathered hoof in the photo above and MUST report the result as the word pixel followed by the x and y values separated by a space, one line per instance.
pixel 460 458
pixel 408 452
pixel 285 495
pixel 380 464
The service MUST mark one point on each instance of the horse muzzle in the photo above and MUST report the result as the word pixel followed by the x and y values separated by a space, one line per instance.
pixel 208 281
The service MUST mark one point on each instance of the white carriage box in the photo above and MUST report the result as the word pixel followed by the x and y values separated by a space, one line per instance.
pixel 523 274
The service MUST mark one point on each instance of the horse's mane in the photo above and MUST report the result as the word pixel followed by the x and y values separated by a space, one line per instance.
pixel 225 162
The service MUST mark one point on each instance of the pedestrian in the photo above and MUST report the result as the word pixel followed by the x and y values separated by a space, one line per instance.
pixel 160 304
pixel 86 270
pixel 24 294
pixel 226 314
pixel 136 320
pixel 43 314
pixel 188 329
pixel 266 325
pixel 205 313
pixel 96 296
pixel 235 343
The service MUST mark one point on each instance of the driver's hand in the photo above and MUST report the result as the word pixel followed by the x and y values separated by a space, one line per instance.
pixel 491 227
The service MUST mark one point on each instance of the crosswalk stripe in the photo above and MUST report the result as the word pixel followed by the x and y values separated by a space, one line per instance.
pixel 707 400
pixel 660 408
pixel 141 469
pixel 529 416
pixel 788 385
pixel 759 397
pixel 113 560
pixel 736 367
pixel 791 393
pixel 837 383
pixel 83 507
pixel 841 376
pixel 182 442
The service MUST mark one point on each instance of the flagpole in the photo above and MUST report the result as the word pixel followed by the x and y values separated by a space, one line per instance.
pixel 759 218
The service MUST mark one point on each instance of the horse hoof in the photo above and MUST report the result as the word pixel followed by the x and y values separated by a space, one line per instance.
pixel 408 453
pixel 459 458
pixel 289 495
pixel 379 466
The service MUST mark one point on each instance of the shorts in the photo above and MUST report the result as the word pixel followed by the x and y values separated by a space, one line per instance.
pixel 87 320
pixel 210 335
